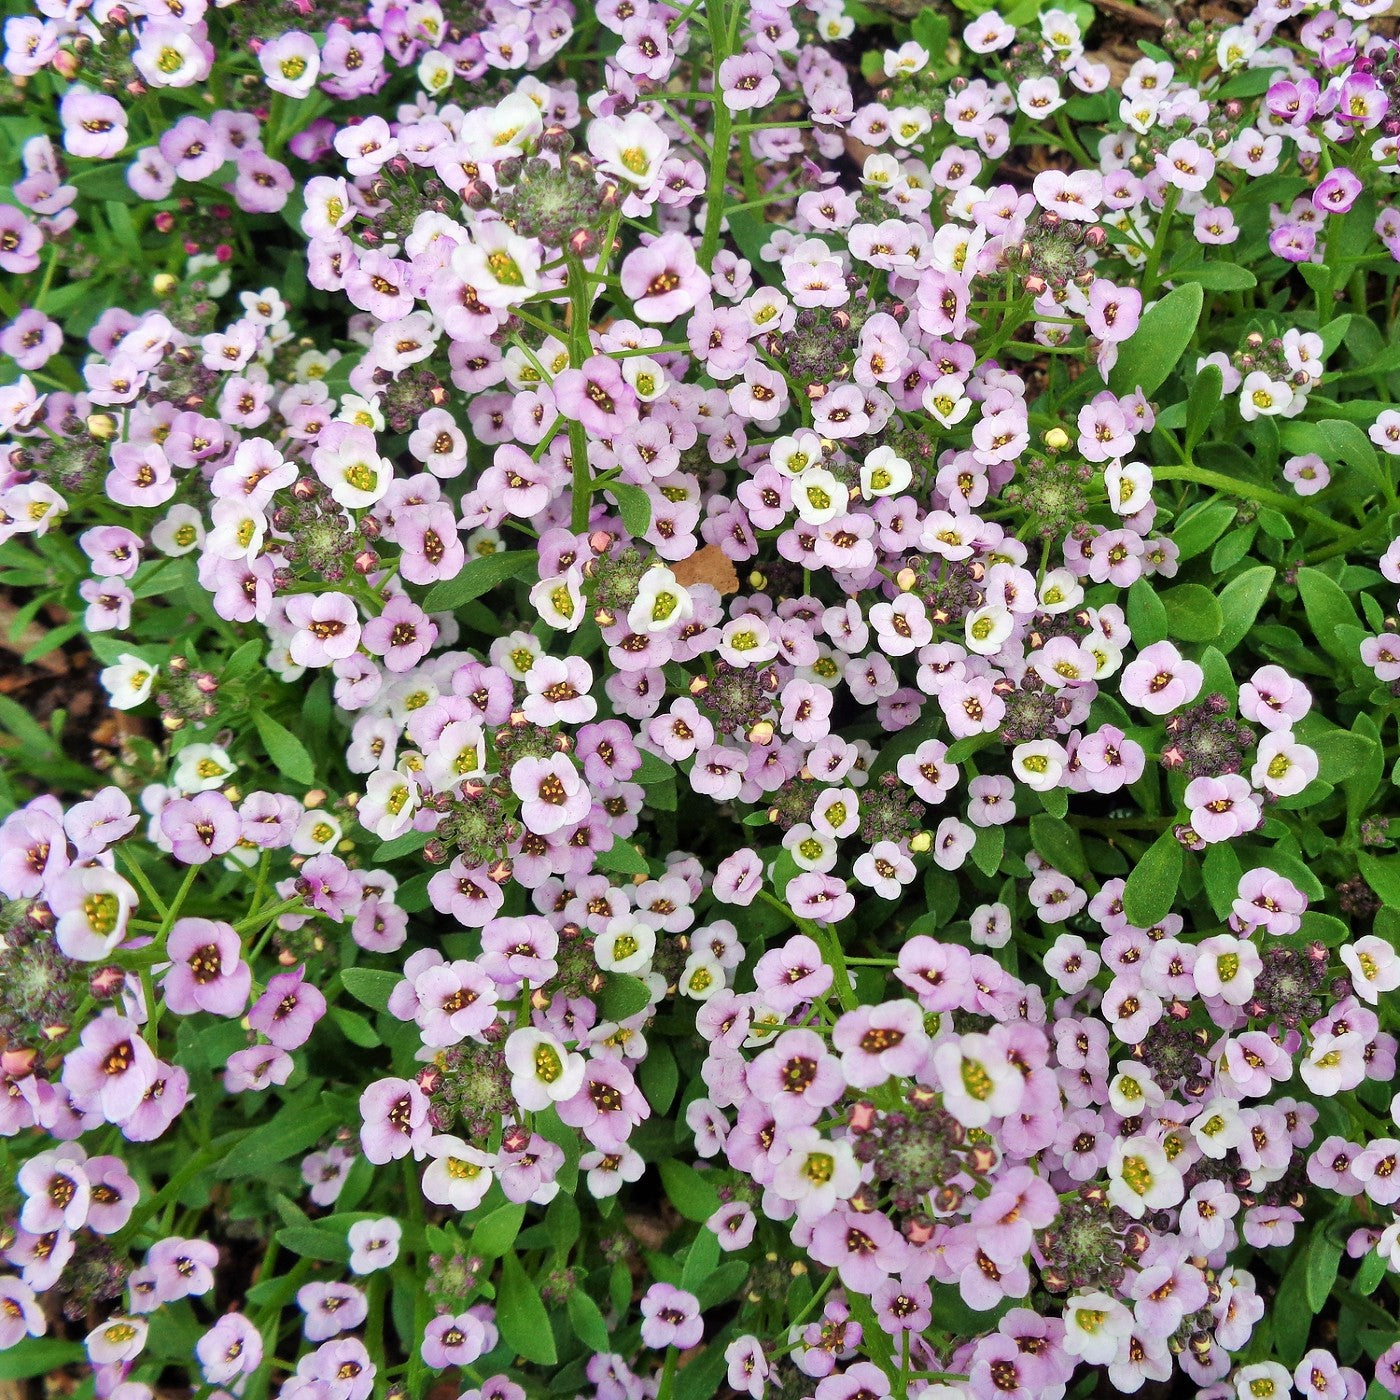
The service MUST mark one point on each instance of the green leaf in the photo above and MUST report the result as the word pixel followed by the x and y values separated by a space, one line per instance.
pixel 1193 613
pixel 688 1191
pixel 1206 394
pixel 563 1222
pixel 1219 276
pixel 521 1316
pixel 622 859
pixel 1200 527
pixel 37 1356
pixel 298 1125
pixel 653 770
pixel 1323 1258
pixel 1240 601
pixel 496 1232
pixel 659 1076
pixel 1152 885
pixel 700 1260
pixel 1058 842
pixel 479 576
pixel 634 505
pixel 370 985
pixel 355 1028
pixel 404 845
pixel 1222 871
pixel 311 1243
pixel 623 996
pixel 1329 610
pixel 588 1324
pixel 285 749
pixel 1147 616
pixel 1382 873
pixel 1159 342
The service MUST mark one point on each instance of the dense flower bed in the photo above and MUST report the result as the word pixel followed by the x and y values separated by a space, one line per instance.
pixel 758 700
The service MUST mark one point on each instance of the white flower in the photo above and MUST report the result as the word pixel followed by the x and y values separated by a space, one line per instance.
pixel 1261 396
pixel 1060 592
pixel 810 849
pixel 201 768
pixel 1283 767
pixel 702 977
pixel 542 1070
pixel 389 804
pixel 1264 1380
pixel 503 267
pixel 946 401
pixel 180 532
pixel 1095 1324
pixel 1141 1177
pixel 625 945
pixel 1373 965
pixel 816 1173
pixel 458 1176
pixel 884 473
pixel 987 627
pixel 818 496
pixel 1039 764
pixel 559 600
pixel 1129 486
pixel 1218 1127
pixel 661 603
pixel 791 456
pixel 316 834
pixel 978 1083
pixel 128 682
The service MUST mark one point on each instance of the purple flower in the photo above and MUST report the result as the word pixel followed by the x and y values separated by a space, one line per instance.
pixel 111 1069
pixel 288 1010
pixel 551 793
pixel 231 1348
pixel 327 628
pixel 182 1268
pixel 453 1341
pixel 1160 679
pixel 597 396
pixel 395 1120
pixel 1222 808
pixel 200 827
pixel 94 125
pixel 330 1308
pixel 374 1244
pixel 207 973
pixel 662 278
pixel 20 1314
pixel 670 1317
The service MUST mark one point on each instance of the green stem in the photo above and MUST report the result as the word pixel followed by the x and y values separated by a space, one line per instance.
pixel 1159 242
pixel 1248 491
pixel 719 141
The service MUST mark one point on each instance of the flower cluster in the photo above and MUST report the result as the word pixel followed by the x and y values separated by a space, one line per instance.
pixel 753 701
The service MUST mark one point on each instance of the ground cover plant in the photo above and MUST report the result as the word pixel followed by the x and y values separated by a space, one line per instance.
pixel 702 699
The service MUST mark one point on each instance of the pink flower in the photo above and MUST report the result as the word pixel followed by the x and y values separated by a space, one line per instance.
pixel 1222 808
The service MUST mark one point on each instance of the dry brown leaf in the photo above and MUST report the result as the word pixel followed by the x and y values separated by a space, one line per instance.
pixel 708 565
